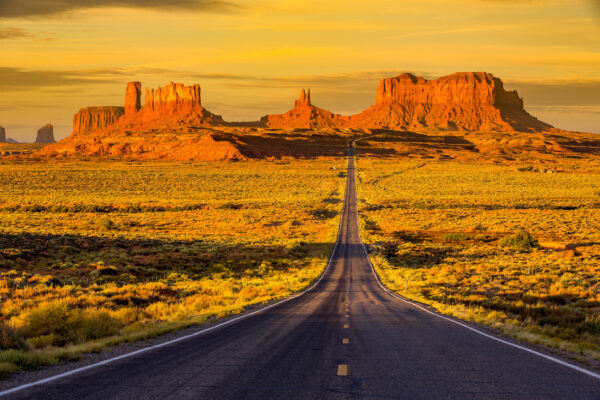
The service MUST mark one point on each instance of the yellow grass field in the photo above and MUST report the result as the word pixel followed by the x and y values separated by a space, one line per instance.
pixel 96 253
pixel 506 245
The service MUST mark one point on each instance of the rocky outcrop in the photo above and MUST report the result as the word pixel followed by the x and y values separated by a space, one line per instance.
pixel 471 101
pixel 92 119
pixel 174 103
pixel 305 116
pixel 132 98
pixel 466 101
pixel 2 135
pixel 45 134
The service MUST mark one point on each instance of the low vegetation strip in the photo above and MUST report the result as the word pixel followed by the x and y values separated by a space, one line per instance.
pixel 79 278
pixel 532 273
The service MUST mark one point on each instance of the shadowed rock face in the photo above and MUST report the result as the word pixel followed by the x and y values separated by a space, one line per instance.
pixel 2 135
pixel 92 119
pixel 132 98
pixel 45 134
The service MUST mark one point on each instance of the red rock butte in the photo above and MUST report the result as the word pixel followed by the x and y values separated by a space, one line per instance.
pixel 469 101
pixel 465 101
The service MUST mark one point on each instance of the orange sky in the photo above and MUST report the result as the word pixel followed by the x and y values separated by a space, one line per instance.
pixel 252 57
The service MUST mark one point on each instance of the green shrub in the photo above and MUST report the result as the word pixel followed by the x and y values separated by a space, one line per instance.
pixel 108 223
pixel 521 240
pixel 25 360
pixel 10 340
pixel 589 326
pixel 6 369
pixel 454 237
pixel 525 169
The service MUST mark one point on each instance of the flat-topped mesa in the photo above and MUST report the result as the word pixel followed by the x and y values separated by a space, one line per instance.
pixel 92 119
pixel 472 101
pixel 45 134
pixel 2 135
pixel 464 88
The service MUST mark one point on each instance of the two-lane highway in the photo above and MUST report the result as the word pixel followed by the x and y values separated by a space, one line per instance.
pixel 346 338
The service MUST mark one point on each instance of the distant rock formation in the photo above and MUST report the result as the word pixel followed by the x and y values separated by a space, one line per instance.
pixel 92 119
pixel 167 124
pixel 45 134
pixel 465 101
pixel 305 116
pixel 132 98
pixel 2 135
pixel 470 101
pixel 174 103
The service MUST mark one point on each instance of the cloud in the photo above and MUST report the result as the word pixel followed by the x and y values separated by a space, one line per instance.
pixel 17 79
pixel 579 93
pixel 36 8
pixel 13 33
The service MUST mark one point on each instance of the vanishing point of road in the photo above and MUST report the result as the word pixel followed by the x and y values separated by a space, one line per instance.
pixel 345 338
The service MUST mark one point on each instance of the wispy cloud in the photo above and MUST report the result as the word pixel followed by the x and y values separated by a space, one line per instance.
pixel 35 8
pixel 10 32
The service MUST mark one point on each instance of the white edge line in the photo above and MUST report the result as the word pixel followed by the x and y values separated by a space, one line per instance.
pixel 537 353
pixel 167 343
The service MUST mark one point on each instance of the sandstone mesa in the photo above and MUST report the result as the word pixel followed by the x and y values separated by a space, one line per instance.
pixel 465 101
pixel 469 111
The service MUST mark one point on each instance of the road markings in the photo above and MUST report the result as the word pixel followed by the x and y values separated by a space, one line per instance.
pixel 342 370
pixel 198 333
pixel 346 326
pixel 464 325
pixel 497 339
pixel 345 341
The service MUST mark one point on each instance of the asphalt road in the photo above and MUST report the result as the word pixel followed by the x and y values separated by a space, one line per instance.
pixel 346 338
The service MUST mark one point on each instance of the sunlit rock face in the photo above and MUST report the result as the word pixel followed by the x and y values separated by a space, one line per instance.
pixel 305 116
pixel 174 102
pixel 471 101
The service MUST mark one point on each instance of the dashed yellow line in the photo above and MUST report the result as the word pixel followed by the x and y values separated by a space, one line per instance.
pixel 345 341
pixel 342 370
pixel 346 326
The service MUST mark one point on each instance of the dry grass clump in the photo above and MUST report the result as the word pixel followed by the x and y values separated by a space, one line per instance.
pixel 521 240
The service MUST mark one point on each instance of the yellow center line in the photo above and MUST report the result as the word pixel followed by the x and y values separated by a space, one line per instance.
pixel 342 370
pixel 346 326
pixel 345 341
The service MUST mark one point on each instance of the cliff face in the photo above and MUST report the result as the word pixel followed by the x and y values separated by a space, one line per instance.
pixel 45 134
pixel 471 101
pixel 132 98
pixel 2 135
pixel 174 103
pixel 92 119
pixel 304 116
